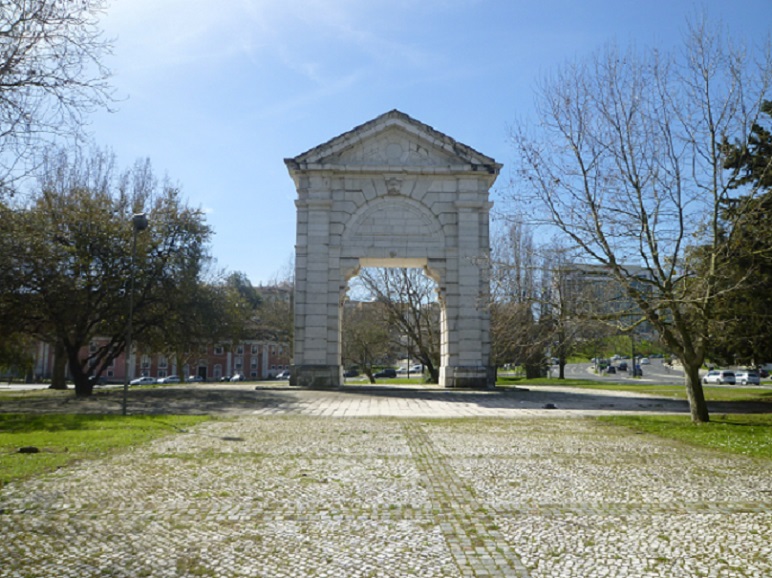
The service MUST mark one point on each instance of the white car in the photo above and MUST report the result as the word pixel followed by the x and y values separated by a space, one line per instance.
pixel 169 379
pixel 746 377
pixel 143 381
pixel 719 377
pixel 412 369
pixel 195 379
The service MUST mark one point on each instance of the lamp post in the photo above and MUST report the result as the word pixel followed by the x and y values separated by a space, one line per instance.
pixel 139 223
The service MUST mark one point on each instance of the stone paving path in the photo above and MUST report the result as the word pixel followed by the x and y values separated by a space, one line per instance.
pixel 293 489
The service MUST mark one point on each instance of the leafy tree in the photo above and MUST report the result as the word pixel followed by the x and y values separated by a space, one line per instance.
pixel 72 258
pixel 274 316
pixel 742 330
pixel 240 284
pixel 51 75
pixel 16 354
pixel 198 312
pixel 751 159
pixel 627 165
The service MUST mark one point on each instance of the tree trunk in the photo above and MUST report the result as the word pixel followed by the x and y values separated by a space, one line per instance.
pixel 698 407
pixel 84 386
pixel 59 377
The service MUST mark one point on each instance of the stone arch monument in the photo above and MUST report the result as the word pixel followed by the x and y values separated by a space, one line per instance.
pixel 392 192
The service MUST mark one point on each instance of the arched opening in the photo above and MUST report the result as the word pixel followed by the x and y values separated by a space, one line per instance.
pixel 391 325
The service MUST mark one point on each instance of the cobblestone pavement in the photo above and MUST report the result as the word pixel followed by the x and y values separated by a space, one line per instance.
pixel 294 489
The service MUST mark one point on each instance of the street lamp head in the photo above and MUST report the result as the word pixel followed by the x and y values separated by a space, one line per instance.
pixel 140 221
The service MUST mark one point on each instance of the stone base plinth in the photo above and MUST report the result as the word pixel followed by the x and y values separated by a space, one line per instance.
pixel 316 376
pixel 468 376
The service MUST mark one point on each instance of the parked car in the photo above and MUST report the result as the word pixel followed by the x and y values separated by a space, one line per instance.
pixel 169 379
pixel 763 373
pixel 350 373
pixel 195 379
pixel 386 373
pixel 143 381
pixel 237 377
pixel 417 368
pixel 286 374
pixel 746 377
pixel 622 366
pixel 644 361
pixel 637 371
pixel 611 369
pixel 720 377
pixel 225 378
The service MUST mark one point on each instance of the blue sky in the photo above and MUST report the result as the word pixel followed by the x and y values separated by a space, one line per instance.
pixel 218 92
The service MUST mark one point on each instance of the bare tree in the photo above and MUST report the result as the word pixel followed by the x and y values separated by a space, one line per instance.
pixel 518 332
pixel 411 309
pixel 627 164
pixel 367 340
pixel 51 75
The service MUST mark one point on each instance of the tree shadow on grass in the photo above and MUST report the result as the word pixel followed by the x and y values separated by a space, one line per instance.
pixel 223 400
pixel 217 400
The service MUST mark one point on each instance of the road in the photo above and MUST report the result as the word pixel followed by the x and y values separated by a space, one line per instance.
pixel 656 372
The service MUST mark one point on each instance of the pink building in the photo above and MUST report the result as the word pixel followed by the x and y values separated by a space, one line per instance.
pixel 252 359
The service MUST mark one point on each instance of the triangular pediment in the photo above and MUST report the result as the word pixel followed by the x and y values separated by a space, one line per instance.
pixel 393 140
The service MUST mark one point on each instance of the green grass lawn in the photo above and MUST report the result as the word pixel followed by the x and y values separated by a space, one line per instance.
pixel 66 438
pixel 712 393
pixel 749 435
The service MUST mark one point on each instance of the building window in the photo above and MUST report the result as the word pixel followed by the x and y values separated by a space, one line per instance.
pixel 162 361
pixel 218 350
pixel 161 373
pixel 92 347
pixel 217 371
pixel 239 350
pixel 254 349
pixel 253 362
pixel 145 362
